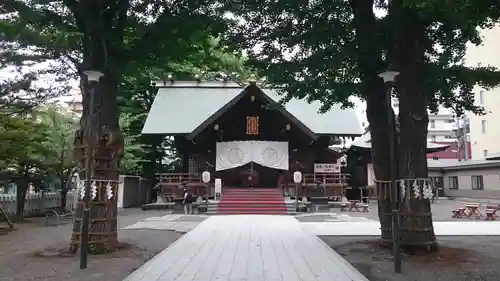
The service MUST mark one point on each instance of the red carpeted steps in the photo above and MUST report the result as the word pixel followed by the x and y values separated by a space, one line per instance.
pixel 239 201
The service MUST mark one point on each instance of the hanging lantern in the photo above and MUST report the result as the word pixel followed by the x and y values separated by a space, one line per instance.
pixel 205 177
pixel 297 177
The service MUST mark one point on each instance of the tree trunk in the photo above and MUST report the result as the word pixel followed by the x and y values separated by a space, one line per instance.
pixel 64 193
pixel 370 64
pixel 63 187
pixel 416 218
pixel 101 51
pixel 22 189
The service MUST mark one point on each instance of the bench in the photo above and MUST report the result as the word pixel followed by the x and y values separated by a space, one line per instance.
pixel 491 214
pixel 58 215
pixel 458 213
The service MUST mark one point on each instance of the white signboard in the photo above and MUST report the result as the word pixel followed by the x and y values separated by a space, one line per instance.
pixel 326 168
pixel 218 188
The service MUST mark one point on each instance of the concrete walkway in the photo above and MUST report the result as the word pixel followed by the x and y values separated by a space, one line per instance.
pixel 249 248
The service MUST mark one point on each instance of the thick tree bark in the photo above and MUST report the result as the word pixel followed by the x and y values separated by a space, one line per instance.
pixel 370 64
pixel 101 51
pixel 409 58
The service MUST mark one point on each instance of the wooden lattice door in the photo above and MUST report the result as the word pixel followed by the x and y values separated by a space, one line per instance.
pixel 194 164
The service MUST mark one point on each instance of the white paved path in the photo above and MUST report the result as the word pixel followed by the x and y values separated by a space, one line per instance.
pixel 248 248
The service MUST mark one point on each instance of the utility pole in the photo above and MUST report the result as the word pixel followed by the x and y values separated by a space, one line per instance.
pixel 458 135
pixel 389 78
pixel 465 137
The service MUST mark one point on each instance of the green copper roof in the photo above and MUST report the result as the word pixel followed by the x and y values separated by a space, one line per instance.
pixel 181 107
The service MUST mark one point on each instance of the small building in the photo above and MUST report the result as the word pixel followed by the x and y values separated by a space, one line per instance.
pixel 472 178
pixel 360 159
pixel 245 136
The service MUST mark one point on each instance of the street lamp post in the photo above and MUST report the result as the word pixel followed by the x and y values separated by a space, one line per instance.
pixel 92 78
pixel 389 77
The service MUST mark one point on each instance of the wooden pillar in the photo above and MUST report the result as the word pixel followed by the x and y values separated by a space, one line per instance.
pixel 185 162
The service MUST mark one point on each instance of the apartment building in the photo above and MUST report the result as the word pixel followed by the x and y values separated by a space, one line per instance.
pixel 441 125
pixel 484 129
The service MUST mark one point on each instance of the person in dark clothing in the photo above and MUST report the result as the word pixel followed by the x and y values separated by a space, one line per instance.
pixel 188 202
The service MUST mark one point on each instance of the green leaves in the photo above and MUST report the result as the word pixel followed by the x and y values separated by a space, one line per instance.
pixel 309 47
pixel 37 146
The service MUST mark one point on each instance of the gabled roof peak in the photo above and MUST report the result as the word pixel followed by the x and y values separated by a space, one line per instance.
pixel 196 84
pixel 207 84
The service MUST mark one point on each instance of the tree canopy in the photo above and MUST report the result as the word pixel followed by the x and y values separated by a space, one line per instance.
pixel 310 47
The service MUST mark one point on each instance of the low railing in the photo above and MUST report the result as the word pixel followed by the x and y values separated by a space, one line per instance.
pixel 320 185
pixel 169 183
pixel 178 178
pixel 325 178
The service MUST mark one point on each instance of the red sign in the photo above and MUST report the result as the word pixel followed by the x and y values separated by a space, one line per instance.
pixel 326 168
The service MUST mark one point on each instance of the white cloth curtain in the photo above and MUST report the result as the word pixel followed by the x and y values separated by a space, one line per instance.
pixel 272 154
pixel 234 154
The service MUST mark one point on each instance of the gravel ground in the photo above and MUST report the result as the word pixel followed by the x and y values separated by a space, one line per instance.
pixel 20 261
pixel 461 258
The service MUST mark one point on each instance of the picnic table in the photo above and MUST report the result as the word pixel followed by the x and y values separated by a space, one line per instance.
pixel 459 213
pixel 473 210
pixel 491 212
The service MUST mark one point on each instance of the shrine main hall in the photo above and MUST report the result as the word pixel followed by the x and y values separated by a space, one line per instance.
pixel 244 136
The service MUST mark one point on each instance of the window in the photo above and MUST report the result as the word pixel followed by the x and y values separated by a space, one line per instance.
pixel 483 126
pixel 433 124
pixel 453 182
pixel 450 121
pixel 363 124
pixel 433 137
pixel 485 152
pixel 437 182
pixel 481 97
pixel 448 137
pixel 477 182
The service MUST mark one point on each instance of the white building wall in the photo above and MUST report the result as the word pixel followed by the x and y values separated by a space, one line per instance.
pixel 484 130
pixel 440 125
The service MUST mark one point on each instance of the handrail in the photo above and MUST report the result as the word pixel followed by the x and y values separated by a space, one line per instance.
pixel 325 178
pixel 178 177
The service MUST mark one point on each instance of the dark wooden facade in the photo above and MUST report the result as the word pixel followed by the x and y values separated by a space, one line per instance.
pixel 198 149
